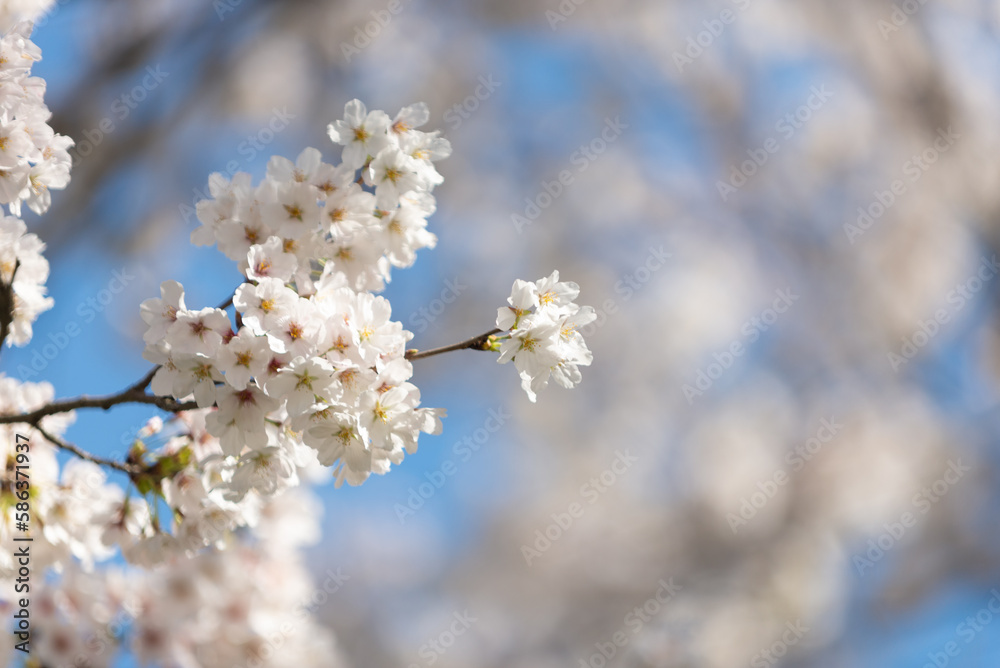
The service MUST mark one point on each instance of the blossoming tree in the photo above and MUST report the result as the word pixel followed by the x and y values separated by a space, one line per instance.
pixel 300 373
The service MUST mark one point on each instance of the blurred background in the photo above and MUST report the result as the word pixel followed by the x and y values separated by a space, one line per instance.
pixel 786 215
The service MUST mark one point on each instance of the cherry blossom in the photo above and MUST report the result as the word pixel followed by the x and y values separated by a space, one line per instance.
pixel 542 337
pixel 302 374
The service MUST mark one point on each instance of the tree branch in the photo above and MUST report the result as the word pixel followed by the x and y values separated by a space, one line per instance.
pixel 69 447
pixel 129 396
pixel 143 383
pixel 480 342
pixel 134 394
pixel 7 304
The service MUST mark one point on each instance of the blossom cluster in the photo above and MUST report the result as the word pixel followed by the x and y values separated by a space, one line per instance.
pixel 249 605
pixel 308 373
pixel 33 158
pixel 24 270
pixel 311 219
pixel 313 352
pixel 542 333
pixel 13 12
pixel 328 370
pixel 60 510
pixel 311 371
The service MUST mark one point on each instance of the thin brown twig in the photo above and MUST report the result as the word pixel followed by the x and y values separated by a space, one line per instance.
pixel 136 393
pixel 480 342
pixel 82 454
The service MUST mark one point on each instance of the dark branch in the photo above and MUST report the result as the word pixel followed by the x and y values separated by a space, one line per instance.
pixel 143 383
pixel 7 304
pixel 69 447
pixel 135 394
pixel 481 342
pixel 129 396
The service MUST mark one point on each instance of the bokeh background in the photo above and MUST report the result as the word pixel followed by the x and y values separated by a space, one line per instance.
pixel 826 497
